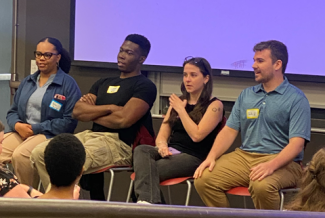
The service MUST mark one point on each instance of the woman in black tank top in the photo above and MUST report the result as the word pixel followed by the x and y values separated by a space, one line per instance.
pixel 185 136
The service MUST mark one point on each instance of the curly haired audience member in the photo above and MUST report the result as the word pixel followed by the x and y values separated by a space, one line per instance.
pixel 64 159
pixel 312 194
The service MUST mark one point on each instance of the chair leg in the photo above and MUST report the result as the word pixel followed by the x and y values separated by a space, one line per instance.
pixel 245 206
pixel 281 199
pixel 39 185
pixel 129 192
pixel 169 196
pixel 110 187
pixel 188 195
pixel 281 193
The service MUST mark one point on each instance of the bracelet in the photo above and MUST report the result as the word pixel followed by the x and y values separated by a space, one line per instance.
pixel 162 142
pixel 30 190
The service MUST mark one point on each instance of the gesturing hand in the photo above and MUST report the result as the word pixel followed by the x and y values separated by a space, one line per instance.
pixel 176 103
pixel 24 130
pixel 261 171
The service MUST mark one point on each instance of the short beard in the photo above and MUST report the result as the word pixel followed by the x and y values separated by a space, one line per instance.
pixel 265 79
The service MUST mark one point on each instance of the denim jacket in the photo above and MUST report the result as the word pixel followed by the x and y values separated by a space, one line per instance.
pixel 53 122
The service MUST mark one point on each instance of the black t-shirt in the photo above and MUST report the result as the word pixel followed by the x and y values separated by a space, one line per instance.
pixel 181 141
pixel 7 181
pixel 119 91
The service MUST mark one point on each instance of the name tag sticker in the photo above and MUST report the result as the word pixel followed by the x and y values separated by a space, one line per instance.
pixel 113 89
pixel 252 113
pixel 55 105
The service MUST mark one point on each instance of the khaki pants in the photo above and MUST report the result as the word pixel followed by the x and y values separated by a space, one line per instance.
pixel 233 169
pixel 103 149
pixel 18 151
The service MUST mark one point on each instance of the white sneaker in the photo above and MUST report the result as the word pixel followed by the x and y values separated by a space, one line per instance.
pixel 143 202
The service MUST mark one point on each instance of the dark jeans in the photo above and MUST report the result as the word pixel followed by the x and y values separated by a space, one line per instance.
pixel 151 169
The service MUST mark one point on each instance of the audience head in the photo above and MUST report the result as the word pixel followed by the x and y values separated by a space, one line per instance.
pixel 197 79
pixel 312 194
pixel 278 52
pixel 64 159
pixel 133 53
pixel 2 128
pixel 54 55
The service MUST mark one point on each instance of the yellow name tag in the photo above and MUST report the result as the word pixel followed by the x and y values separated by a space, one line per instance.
pixel 112 89
pixel 252 113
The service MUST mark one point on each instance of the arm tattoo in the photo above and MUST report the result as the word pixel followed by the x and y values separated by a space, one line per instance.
pixel 215 109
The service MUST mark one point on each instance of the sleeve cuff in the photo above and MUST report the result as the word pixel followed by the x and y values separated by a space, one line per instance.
pixel 36 128
pixel 233 126
pixel 12 123
pixel 301 136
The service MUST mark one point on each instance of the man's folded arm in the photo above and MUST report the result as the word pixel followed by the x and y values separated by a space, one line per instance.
pixel 128 115
pixel 86 110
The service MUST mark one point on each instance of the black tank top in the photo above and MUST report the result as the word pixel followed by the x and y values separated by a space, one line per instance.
pixel 181 141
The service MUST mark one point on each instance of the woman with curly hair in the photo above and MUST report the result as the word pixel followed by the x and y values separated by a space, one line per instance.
pixel 312 194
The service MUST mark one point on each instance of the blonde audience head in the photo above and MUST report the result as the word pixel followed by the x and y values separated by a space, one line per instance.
pixel 312 194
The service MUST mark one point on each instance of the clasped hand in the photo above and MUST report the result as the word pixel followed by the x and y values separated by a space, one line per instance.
pixel 24 130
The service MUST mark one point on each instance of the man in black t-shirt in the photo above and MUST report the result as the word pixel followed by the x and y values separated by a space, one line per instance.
pixel 119 107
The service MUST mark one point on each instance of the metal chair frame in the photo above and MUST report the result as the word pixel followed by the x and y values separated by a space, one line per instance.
pixel 112 170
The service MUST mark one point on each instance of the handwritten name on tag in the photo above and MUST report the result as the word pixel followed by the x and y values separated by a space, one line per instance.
pixel 55 105
pixel 252 113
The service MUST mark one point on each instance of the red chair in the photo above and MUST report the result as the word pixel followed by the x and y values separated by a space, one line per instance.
pixel 168 182
pixel 243 191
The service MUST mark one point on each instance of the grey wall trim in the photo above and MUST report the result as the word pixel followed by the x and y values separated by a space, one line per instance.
pixel 318 130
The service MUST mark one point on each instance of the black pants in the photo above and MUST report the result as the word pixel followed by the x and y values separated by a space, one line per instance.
pixel 94 183
pixel 151 169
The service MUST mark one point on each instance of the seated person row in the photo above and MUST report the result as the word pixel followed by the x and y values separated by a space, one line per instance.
pixel 119 107
pixel 86 98
pixel 274 120
pixel 41 109
pixel 185 136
